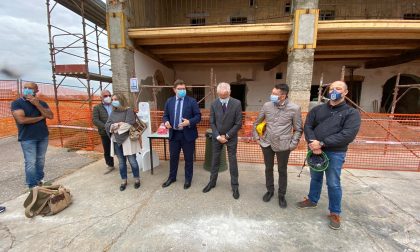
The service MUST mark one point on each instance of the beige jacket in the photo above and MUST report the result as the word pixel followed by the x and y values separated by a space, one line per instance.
pixel 283 128
pixel 130 147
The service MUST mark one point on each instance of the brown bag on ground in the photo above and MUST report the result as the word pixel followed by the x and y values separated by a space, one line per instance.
pixel 47 200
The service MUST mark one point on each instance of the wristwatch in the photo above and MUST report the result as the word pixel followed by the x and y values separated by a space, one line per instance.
pixel 321 144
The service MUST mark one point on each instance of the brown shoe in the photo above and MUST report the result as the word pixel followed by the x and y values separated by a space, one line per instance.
pixel 334 221
pixel 306 204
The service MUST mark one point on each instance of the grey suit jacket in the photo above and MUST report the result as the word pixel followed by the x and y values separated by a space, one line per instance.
pixel 99 118
pixel 228 123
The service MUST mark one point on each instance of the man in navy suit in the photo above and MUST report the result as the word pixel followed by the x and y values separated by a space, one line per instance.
pixel 181 117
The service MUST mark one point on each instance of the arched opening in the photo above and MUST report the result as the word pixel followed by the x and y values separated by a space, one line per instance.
pixel 409 103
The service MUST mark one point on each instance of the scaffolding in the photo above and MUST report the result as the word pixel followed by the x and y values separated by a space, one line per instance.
pixel 79 58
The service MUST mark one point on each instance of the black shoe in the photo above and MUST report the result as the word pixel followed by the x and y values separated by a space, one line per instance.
pixel 109 169
pixel 137 184
pixel 123 186
pixel 168 182
pixel 208 187
pixel 2 209
pixel 187 185
pixel 236 193
pixel 282 202
pixel 267 196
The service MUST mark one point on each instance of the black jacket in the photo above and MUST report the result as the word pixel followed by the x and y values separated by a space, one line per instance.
pixel 336 126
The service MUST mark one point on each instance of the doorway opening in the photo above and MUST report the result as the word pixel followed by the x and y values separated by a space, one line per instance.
pixel 409 103
pixel 238 91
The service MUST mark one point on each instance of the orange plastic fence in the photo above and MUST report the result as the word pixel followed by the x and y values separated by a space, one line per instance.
pixel 385 142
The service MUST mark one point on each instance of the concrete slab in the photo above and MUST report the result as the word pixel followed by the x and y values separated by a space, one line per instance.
pixel 58 162
pixel 380 213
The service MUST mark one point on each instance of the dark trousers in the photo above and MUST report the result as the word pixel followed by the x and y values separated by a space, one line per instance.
pixel 106 143
pixel 282 160
pixel 233 162
pixel 177 143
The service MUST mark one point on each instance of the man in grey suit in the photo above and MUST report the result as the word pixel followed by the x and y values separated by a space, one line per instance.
pixel 225 121
pixel 101 113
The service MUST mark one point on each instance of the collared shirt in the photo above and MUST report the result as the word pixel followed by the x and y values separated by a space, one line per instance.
pixel 108 108
pixel 227 101
pixel 178 100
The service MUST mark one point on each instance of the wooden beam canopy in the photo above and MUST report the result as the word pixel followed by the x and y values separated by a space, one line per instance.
pixel 394 60
pixel 337 40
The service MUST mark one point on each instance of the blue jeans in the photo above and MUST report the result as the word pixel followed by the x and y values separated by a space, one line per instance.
pixel 34 153
pixel 333 182
pixel 122 160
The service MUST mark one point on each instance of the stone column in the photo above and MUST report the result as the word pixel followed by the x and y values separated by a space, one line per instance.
pixel 121 47
pixel 301 59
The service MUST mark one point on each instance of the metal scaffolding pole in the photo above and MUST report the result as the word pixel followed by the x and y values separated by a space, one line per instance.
pixel 52 55
pixel 98 54
pixel 85 48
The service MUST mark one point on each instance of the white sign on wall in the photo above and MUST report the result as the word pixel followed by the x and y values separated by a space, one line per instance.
pixel 134 86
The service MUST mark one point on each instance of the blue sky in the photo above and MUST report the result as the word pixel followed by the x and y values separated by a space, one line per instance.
pixel 24 43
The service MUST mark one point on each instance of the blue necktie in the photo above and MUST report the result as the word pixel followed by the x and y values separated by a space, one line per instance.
pixel 177 113
pixel 224 107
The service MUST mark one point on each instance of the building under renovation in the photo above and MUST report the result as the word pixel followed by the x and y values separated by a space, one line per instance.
pixel 254 44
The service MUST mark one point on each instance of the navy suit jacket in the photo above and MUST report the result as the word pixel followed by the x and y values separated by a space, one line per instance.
pixel 190 111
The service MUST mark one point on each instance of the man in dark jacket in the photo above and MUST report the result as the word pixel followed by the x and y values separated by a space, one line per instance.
pixel 330 128
pixel 100 116
pixel 225 121
pixel 181 117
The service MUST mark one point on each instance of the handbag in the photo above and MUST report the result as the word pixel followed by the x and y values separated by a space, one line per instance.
pixel 47 200
pixel 137 129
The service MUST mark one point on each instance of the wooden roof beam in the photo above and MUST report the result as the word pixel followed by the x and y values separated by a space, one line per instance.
pixel 340 47
pixel 211 30
pixel 368 25
pixel 214 59
pixel 394 60
pixel 213 39
pixel 210 50
pixel 282 57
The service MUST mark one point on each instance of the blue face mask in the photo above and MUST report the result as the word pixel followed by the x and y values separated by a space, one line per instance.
pixel 115 103
pixel 274 98
pixel 181 93
pixel 334 95
pixel 28 91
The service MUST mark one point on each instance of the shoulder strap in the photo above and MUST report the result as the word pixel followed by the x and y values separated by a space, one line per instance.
pixel 28 211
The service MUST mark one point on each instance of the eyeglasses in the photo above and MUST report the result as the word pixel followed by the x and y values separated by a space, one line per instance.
pixel 106 96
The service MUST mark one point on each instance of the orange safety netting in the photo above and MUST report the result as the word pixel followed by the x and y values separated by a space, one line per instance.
pixel 385 141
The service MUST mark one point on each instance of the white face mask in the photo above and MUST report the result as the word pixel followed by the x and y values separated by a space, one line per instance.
pixel 107 100
pixel 225 100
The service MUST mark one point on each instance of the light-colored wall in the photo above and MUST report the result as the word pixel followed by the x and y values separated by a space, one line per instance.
pixel 145 68
pixel 258 91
